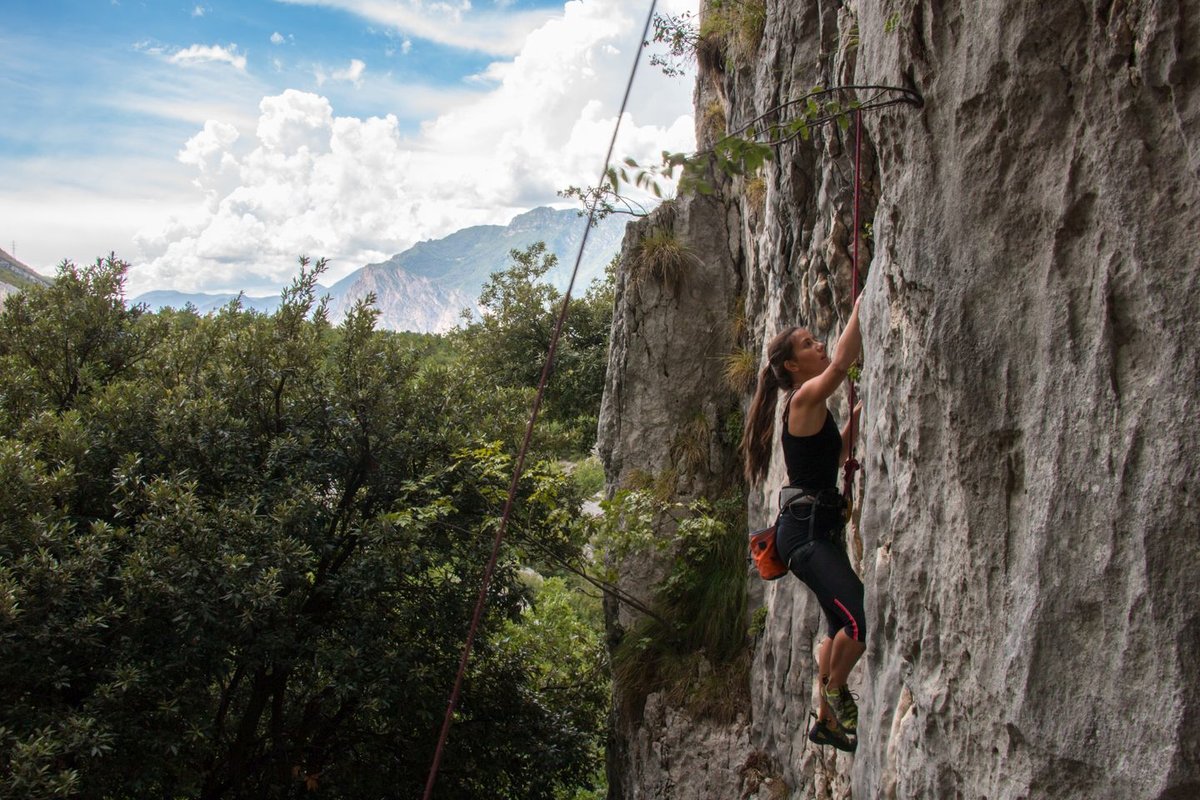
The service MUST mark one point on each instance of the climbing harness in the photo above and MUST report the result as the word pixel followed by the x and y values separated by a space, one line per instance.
pixel 501 529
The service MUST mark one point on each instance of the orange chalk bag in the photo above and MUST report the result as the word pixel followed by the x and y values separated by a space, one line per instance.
pixel 766 558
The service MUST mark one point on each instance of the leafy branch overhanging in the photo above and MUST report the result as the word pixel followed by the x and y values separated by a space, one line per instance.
pixel 742 151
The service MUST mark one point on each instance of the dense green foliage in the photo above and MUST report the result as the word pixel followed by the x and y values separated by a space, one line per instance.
pixel 695 644
pixel 238 554
pixel 505 350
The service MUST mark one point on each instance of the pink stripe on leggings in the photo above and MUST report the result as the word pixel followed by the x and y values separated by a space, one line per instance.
pixel 853 621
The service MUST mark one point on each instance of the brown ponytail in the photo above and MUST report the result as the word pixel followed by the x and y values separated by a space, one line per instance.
pixel 760 420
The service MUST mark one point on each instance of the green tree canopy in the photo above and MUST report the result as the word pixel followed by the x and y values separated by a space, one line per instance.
pixel 238 554
pixel 505 350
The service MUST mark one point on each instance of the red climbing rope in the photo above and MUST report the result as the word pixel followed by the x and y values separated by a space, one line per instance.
pixel 501 529
pixel 852 465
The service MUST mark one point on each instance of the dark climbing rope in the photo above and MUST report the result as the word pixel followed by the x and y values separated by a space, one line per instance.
pixel 481 601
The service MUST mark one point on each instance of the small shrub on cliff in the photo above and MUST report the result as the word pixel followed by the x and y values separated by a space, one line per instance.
pixel 756 193
pixel 662 258
pixel 739 25
pixel 714 120
pixel 693 440
pixel 695 646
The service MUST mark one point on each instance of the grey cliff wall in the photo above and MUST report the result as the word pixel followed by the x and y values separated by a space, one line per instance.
pixel 1029 531
pixel 1031 514
pixel 665 365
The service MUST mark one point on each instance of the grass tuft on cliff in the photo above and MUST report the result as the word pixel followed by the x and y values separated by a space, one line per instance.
pixel 662 258
pixel 738 25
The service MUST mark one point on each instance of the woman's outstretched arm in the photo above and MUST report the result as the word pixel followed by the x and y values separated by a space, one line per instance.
pixel 849 346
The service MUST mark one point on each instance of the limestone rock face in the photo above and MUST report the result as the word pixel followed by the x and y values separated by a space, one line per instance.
pixel 1029 513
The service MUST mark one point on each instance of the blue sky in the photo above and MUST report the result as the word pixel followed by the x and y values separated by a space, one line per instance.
pixel 210 143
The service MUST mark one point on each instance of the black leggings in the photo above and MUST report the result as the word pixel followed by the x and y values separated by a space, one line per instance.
pixel 825 568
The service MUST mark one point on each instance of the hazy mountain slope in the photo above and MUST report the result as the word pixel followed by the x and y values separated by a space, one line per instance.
pixel 14 275
pixel 425 287
pixel 204 303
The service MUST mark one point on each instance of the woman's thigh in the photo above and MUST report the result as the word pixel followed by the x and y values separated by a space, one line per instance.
pixel 839 590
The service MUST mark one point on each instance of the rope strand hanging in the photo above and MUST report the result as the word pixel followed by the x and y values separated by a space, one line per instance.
pixel 501 529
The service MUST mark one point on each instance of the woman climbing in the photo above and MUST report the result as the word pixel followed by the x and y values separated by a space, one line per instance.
pixel 812 512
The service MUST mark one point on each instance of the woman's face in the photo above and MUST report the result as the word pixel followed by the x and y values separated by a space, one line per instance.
pixel 808 356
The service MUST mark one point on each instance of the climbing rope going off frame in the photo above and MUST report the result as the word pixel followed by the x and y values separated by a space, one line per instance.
pixel 501 529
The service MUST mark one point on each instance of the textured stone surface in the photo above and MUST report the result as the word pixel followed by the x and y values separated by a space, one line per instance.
pixel 1029 519
pixel 665 367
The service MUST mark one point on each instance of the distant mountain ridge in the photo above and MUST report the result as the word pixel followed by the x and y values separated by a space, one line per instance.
pixel 203 303
pixel 15 275
pixel 426 287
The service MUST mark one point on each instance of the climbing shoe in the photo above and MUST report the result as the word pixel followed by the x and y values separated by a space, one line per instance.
pixel 825 732
pixel 844 708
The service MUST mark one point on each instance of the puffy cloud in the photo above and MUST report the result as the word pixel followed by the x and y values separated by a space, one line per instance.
pixel 307 181
pixel 209 148
pixel 199 11
pixel 198 53
pixel 350 74
pixel 277 38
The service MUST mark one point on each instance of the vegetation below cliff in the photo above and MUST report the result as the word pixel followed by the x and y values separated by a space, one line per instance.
pixel 238 552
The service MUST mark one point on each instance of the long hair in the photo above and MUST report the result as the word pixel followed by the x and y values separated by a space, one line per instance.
pixel 760 420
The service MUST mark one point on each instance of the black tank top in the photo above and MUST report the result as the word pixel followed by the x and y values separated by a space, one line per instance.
pixel 812 461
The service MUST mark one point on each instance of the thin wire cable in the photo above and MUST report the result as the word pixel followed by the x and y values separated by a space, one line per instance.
pixel 605 587
pixel 520 465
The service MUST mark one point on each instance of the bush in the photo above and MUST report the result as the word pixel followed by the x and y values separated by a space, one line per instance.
pixel 738 25
pixel 694 646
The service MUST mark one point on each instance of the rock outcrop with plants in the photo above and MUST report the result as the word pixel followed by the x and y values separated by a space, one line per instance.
pixel 1027 512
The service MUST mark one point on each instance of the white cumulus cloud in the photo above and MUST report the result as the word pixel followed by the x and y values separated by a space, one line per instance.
pixel 277 38
pixel 305 180
pixel 352 73
pixel 209 147
pixel 198 53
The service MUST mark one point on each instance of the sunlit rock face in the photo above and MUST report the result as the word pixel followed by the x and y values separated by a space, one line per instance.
pixel 1028 511
pixel 1030 517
